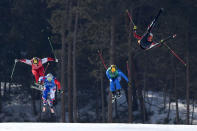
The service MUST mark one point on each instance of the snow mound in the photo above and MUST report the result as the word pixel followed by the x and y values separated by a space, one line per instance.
pixel 93 127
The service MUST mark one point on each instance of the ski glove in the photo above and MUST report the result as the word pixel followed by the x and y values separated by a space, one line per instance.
pixel 16 60
pixel 161 41
pixel 60 91
pixel 135 27
pixel 129 84
pixel 56 60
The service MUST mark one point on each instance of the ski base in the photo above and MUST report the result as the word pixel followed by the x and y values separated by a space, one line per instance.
pixel 38 87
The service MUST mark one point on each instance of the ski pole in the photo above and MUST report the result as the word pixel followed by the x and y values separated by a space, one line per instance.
pixel 169 37
pixel 46 68
pixel 13 70
pixel 101 57
pixel 130 17
pixel 175 55
pixel 52 47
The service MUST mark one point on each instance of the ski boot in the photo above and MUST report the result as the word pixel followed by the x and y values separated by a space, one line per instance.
pixel 44 106
pixel 118 94
pixel 113 96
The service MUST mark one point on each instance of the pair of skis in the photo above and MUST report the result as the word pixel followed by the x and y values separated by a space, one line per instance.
pixel 162 42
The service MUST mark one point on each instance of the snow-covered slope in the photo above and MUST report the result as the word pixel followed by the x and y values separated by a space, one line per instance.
pixel 92 127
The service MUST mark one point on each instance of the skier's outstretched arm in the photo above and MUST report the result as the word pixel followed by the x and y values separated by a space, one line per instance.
pixel 123 75
pixel 107 73
pixel 45 60
pixel 58 84
pixel 135 34
pixel 26 61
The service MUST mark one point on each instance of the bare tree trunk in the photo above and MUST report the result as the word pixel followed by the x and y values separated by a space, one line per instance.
pixel 130 92
pixel 168 115
pixel 63 73
pixel 63 63
pixel 69 71
pixel 176 98
pixel 33 101
pixel 187 89
pixel 4 89
pixel 111 62
pixel 134 85
pixel 102 95
pixel 97 101
pixel 193 107
pixel 142 105
pixel 75 112
pixel 0 99
pixel 9 89
pixel 164 99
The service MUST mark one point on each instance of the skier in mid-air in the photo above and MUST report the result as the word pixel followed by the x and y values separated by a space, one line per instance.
pixel 114 75
pixel 49 82
pixel 146 41
pixel 37 65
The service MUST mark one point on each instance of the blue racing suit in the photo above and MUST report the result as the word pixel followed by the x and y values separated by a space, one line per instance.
pixel 49 89
pixel 115 79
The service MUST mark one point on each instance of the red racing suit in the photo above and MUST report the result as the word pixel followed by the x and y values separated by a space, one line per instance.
pixel 37 69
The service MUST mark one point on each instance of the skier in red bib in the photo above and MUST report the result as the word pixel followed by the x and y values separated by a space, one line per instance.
pixel 37 65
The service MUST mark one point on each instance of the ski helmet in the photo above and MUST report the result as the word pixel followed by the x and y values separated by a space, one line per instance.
pixel 35 60
pixel 151 34
pixel 49 77
pixel 113 68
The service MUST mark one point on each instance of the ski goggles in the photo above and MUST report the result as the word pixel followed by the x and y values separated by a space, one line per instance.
pixel 113 69
pixel 49 78
pixel 35 61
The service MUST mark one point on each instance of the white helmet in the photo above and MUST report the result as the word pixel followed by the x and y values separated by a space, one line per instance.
pixel 49 77
pixel 151 34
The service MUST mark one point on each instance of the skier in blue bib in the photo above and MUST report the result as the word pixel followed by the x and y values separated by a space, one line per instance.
pixel 114 75
pixel 50 83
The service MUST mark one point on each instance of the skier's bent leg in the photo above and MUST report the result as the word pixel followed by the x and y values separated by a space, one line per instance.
pixel 118 88
pixel 41 71
pixel 36 75
pixel 112 86
pixel 44 99
pixel 52 98
pixel 112 89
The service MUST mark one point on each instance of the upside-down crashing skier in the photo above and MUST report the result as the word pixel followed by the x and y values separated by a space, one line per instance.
pixel 114 75
pixel 37 65
pixel 146 41
pixel 50 83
